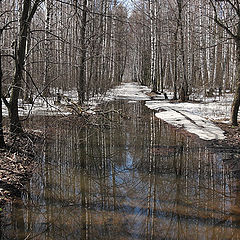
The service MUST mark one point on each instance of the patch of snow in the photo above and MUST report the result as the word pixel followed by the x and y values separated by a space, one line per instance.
pixel 90 112
pixel 190 116
pixel 40 107
pixel 211 110
pixel 194 117
pixel 192 123
pixel 130 91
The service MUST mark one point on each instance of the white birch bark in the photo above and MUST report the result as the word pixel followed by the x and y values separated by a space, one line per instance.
pixel 48 50
pixel 153 10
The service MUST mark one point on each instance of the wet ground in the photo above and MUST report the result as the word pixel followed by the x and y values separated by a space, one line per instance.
pixel 131 177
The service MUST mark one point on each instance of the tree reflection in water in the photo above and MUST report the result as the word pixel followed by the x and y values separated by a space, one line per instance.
pixel 128 178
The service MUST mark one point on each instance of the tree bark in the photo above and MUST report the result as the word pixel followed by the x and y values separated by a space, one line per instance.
pixel 26 18
pixel 183 95
pixel 152 8
pixel 175 65
pixel 27 92
pixel 81 88
pixel 236 100
pixel 2 142
pixel 15 124
pixel 48 50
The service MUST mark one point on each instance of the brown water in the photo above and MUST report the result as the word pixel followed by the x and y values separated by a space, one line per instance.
pixel 126 178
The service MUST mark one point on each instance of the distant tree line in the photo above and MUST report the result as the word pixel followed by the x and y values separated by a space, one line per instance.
pixel 188 46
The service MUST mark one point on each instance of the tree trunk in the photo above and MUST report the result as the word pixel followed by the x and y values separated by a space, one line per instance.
pixel 2 143
pixel 48 49
pixel 152 8
pixel 184 83
pixel 82 74
pixel 27 91
pixel 175 65
pixel 15 124
pixel 236 100
pixel 219 64
pixel 26 18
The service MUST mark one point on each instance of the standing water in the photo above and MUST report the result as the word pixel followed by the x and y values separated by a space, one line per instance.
pixel 127 177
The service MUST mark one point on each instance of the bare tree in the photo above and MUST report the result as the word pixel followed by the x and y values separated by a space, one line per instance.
pixel 20 53
pixel 48 48
pixel 222 18
pixel 2 142
pixel 153 34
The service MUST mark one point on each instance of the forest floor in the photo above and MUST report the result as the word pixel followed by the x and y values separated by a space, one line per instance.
pixel 17 162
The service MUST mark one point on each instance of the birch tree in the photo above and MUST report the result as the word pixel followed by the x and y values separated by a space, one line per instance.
pixel 153 34
pixel 47 48
pixel 184 83
pixel 2 28
pixel 83 50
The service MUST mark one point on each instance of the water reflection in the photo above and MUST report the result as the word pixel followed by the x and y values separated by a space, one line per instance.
pixel 127 178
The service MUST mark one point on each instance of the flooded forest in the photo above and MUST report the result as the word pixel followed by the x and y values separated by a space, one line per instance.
pixel 111 115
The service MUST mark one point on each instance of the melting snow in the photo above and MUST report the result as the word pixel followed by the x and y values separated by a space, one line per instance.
pixel 131 91
pixel 190 116
pixel 193 123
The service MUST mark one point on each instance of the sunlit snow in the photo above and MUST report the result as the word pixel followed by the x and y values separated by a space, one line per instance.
pixel 190 116
pixel 130 91
pixel 193 123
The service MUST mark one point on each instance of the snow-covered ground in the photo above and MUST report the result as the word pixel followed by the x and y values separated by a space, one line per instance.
pixel 192 122
pixel 130 91
pixel 40 107
pixel 194 117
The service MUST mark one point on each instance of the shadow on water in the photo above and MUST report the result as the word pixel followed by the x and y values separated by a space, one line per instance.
pixel 126 178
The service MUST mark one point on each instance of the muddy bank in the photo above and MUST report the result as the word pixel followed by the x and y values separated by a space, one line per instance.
pixel 17 163
pixel 232 134
pixel 232 140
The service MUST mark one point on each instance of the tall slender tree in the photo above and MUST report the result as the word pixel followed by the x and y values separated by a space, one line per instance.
pixel 81 87
pixel 2 142
pixel 234 32
pixel 48 48
pixel 153 34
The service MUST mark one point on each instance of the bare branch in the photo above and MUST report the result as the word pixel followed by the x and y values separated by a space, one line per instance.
pixel 221 24
pixel 34 9
pixel 236 8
